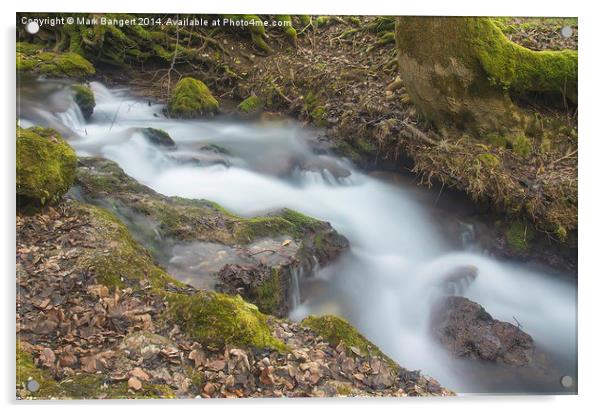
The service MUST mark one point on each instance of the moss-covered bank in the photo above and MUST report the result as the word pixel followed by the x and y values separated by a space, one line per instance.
pixel 32 58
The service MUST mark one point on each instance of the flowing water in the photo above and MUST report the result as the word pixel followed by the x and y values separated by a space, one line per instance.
pixel 384 285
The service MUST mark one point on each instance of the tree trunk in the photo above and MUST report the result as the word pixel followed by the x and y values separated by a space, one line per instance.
pixel 458 72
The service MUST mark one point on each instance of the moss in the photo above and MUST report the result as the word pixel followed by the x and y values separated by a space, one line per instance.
pixel 318 116
pixel 323 21
pixel 521 145
pixel 31 58
pixel 125 262
pixel 191 98
pixel 252 228
pixel 336 330
pixel 158 137
pixel 255 26
pixel 45 165
pixel 286 23
pixel 218 320
pixel 26 370
pixel 299 220
pixel 522 69
pixel 489 160
pixel 251 104
pixel 519 236
pixel 94 386
pixel 84 386
pixel 344 390
pixel 84 99
pixel 268 295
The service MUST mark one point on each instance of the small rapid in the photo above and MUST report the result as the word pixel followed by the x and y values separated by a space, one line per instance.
pixel 385 285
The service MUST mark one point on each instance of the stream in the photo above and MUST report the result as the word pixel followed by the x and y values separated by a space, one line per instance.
pixel 385 285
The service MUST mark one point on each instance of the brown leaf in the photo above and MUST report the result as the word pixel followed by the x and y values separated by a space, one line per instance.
pixel 140 374
pixel 134 383
pixel 47 358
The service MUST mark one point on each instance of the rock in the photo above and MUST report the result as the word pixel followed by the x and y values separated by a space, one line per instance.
pixel 191 98
pixel 84 97
pixel 466 330
pixel 45 165
pixel 158 137
pixel 252 104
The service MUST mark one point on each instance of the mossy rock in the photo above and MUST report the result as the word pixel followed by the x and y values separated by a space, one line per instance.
pixel 335 330
pixel 158 137
pixel 84 99
pixel 218 320
pixel 32 58
pixel 45 165
pixel 252 104
pixel 125 263
pixel 191 98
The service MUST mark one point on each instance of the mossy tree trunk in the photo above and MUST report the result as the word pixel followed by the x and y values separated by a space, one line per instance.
pixel 459 71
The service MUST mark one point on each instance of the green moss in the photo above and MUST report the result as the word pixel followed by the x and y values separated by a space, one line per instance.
pixel 344 390
pixel 318 116
pixel 124 262
pixel 83 386
pixel 31 58
pixel 251 104
pixel 158 137
pixel 191 98
pixel 268 295
pixel 323 21
pixel 94 386
pixel 286 24
pixel 519 236
pixel 26 370
pixel 521 145
pixel 489 160
pixel 218 320
pixel 45 165
pixel 255 26
pixel 336 330
pixel 299 220
pixel 521 69
pixel 252 228
pixel 84 99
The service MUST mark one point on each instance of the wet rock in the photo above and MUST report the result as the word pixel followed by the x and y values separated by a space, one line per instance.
pixel 466 330
pixel 158 137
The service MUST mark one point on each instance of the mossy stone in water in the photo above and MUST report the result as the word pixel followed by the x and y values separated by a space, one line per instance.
pixel 251 104
pixel 191 98
pixel 158 137
pixel 84 99
pixel 218 320
pixel 45 165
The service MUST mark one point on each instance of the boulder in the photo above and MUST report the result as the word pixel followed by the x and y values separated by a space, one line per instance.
pixel 466 330
pixel 191 98
pixel 84 99
pixel 45 165
pixel 158 137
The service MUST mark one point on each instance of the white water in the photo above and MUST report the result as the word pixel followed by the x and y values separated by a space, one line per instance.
pixel 393 272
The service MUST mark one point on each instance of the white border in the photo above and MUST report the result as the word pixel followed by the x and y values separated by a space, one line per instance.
pixel 590 152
